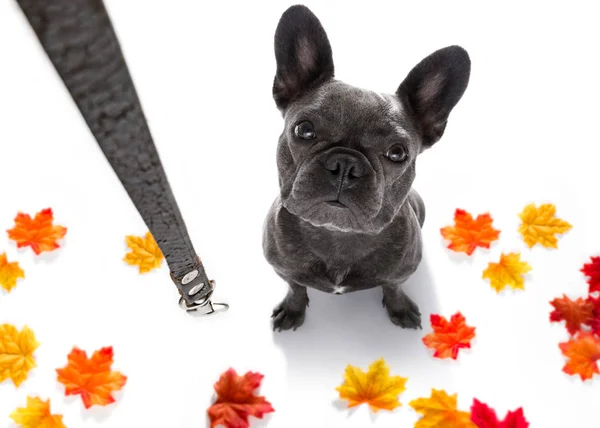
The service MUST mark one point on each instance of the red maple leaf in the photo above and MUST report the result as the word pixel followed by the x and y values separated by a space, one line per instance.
pixel 236 400
pixel 573 312
pixel 449 336
pixel 595 322
pixel 592 271
pixel 485 417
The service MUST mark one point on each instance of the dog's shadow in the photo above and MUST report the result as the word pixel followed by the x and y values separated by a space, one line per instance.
pixel 354 329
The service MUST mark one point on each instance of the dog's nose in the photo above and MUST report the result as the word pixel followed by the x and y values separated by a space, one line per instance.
pixel 344 167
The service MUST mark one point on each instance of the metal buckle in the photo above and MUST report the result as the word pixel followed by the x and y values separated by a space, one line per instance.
pixel 203 306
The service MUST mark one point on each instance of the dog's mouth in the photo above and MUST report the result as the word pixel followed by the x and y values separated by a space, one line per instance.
pixel 336 203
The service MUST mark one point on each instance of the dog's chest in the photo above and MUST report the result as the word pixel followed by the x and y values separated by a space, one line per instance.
pixel 340 278
pixel 337 276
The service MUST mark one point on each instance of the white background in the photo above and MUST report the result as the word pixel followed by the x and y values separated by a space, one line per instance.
pixel 525 131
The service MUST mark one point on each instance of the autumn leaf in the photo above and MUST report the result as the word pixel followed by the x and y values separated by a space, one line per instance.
pixel 39 233
pixel 592 271
pixel 9 273
pixel 467 233
pixel 144 252
pixel 16 353
pixel 583 353
pixel 485 417
pixel 595 322
pixel 509 271
pixel 376 387
pixel 449 336
pixel 574 312
pixel 236 400
pixel 37 415
pixel 439 411
pixel 539 225
pixel 91 377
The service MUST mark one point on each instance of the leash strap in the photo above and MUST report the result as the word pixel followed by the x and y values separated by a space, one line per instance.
pixel 79 39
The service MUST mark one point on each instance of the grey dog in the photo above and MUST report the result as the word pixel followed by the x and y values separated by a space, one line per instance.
pixel 346 218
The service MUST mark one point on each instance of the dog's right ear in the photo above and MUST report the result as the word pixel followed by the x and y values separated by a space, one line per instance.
pixel 303 54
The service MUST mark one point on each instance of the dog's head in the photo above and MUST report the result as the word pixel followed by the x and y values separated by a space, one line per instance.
pixel 346 157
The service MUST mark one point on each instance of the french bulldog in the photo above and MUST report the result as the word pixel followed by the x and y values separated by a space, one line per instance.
pixel 346 218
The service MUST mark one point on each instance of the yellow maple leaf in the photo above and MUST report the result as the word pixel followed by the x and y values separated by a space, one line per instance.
pixel 439 411
pixel 144 252
pixel 539 225
pixel 9 273
pixel 376 387
pixel 37 415
pixel 16 353
pixel 509 271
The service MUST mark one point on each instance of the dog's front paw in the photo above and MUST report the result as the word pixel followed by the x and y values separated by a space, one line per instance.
pixel 403 312
pixel 285 318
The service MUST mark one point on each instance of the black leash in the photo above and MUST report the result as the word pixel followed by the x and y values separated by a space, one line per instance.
pixel 79 39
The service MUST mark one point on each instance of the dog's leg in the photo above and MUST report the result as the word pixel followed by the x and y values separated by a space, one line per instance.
pixel 400 308
pixel 289 314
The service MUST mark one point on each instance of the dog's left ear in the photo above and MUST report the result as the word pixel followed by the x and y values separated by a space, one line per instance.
pixel 433 88
pixel 303 54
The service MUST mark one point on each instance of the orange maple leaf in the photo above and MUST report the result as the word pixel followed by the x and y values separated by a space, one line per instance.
pixel 508 271
pixel 91 377
pixel 37 415
pixel 375 387
pixel 16 353
pixel 236 400
pixel 583 353
pixel 440 411
pixel 468 234
pixel 540 225
pixel 144 253
pixel 574 312
pixel 39 233
pixel 9 273
pixel 448 337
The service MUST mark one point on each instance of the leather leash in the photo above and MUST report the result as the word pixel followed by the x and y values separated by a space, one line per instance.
pixel 79 39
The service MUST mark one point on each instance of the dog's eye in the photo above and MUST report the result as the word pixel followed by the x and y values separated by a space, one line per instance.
pixel 396 153
pixel 305 130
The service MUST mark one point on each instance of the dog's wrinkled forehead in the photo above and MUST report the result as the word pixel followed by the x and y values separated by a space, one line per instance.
pixel 344 109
